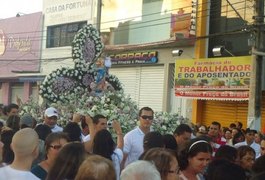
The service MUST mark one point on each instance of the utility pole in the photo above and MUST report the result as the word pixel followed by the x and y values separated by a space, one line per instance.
pixel 258 54
pixel 99 6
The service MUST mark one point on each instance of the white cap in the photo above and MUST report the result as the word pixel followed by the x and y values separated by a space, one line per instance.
pixel 51 111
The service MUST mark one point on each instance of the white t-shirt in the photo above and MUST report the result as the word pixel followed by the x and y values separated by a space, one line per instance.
pixel 57 128
pixel 117 157
pixel 85 138
pixel 9 173
pixel 133 145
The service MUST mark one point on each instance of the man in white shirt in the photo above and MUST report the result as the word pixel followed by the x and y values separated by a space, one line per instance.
pixel 249 141
pixel 50 119
pixel 133 140
pixel 25 144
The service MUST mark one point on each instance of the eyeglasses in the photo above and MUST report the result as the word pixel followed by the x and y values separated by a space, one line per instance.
pixel 147 117
pixel 56 147
pixel 174 171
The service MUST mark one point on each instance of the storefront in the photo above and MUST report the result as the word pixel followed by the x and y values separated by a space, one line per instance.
pixel 142 74
pixel 148 77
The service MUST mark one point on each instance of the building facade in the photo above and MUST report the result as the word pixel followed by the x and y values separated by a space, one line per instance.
pixel 20 57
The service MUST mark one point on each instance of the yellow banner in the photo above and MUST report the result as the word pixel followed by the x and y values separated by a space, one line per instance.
pixel 231 73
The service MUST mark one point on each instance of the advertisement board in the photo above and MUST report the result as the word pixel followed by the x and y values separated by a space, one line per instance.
pixel 227 77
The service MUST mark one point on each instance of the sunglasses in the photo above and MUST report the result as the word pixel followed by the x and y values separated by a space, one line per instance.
pixel 56 147
pixel 147 117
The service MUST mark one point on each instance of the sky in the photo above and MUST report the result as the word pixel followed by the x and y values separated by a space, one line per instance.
pixel 9 8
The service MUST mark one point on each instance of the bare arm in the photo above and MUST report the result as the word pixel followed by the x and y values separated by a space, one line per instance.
pixel 123 161
pixel 76 117
pixel 116 126
pixel 89 144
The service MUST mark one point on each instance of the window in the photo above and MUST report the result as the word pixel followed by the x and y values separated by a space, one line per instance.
pixel 17 90
pixel 62 35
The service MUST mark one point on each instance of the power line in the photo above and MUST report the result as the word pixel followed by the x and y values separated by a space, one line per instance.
pixel 185 7
pixel 144 22
pixel 159 23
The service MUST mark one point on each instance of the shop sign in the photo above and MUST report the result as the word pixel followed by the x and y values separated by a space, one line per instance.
pixel 148 57
pixel 226 78
pixel 62 12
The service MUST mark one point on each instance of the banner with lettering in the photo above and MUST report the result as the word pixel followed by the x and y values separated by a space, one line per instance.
pixel 213 78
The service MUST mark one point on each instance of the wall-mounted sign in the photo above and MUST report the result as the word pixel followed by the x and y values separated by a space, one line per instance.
pixel 148 57
pixel 61 12
pixel 213 78
pixel 20 44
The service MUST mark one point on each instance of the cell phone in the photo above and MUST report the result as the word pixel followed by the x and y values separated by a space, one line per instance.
pixel 109 124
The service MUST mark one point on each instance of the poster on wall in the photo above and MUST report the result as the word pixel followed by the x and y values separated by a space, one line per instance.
pixel 213 78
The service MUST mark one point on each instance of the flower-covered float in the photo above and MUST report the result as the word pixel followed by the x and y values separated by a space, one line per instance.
pixel 88 88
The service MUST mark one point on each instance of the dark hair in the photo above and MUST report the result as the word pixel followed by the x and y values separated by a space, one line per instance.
pixel 10 107
pixel 215 123
pixel 152 139
pixel 104 144
pixel 13 122
pixel 243 150
pixel 73 130
pixel 258 166
pixel 1 124
pixel 239 124
pixel 248 130
pixel 43 131
pixel 170 142
pixel 194 147
pixel 97 117
pixel 67 163
pixel 4 110
pixel 6 138
pixel 145 109
pixel 232 125
pixel 226 152
pixel 220 169
pixel 237 136
pixel 83 122
pixel 54 136
pixel 162 159
pixel 181 129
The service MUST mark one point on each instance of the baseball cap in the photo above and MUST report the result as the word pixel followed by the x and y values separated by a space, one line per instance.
pixel 51 111
pixel 27 120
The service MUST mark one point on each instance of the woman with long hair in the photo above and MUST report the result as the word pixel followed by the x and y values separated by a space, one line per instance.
pixel 194 159
pixel 102 144
pixel 67 163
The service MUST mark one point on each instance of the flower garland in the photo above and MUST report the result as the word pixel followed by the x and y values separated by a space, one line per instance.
pixel 61 82
pixel 86 46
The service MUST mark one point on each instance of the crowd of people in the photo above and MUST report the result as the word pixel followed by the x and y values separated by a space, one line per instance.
pixel 84 149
